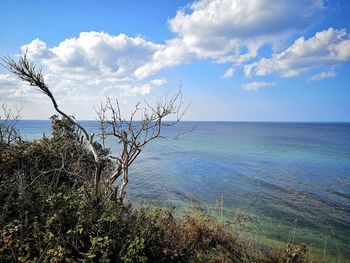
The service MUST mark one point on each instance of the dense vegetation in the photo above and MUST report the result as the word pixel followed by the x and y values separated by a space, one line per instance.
pixel 49 213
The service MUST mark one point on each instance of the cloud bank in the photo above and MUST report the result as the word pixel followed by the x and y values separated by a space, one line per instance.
pixel 234 30
pixel 95 64
pixel 327 48
pixel 230 32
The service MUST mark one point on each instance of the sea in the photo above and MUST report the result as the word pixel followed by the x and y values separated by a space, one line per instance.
pixel 283 182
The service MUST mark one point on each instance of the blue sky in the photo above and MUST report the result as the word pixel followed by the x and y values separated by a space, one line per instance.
pixel 256 60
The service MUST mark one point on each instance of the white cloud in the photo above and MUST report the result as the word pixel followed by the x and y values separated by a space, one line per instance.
pixel 229 73
pixel 254 86
pixel 143 89
pixel 95 64
pixel 95 54
pixel 323 75
pixel 7 80
pixel 159 82
pixel 12 88
pixel 174 52
pixel 234 30
pixel 36 49
pixel 325 49
pixel 82 71
pixel 100 60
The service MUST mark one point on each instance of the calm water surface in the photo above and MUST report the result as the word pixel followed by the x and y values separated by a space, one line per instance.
pixel 292 178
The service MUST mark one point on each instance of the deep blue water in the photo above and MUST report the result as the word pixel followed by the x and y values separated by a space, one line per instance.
pixel 291 176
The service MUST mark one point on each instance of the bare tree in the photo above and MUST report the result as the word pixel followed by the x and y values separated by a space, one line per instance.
pixel 8 121
pixel 144 125
pixel 28 72
pixel 133 134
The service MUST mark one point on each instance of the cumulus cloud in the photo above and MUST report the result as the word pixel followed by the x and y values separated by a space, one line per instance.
pixel 325 49
pixel 36 49
pixel 95 64
pixel 103 61
pixel 95 54
pixel 234 30
pixel 254 86
pixel 174 52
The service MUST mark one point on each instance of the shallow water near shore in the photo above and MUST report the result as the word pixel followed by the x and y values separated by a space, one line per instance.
pixel 291 180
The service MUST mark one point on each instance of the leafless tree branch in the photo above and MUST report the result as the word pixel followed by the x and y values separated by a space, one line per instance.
pixel 8 129
pixel 133 134
pixel 27 71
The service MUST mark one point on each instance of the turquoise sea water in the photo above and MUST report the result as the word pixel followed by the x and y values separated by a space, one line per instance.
pixel 291 179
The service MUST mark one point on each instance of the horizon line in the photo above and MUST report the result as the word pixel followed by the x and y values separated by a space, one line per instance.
pixel 237 121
